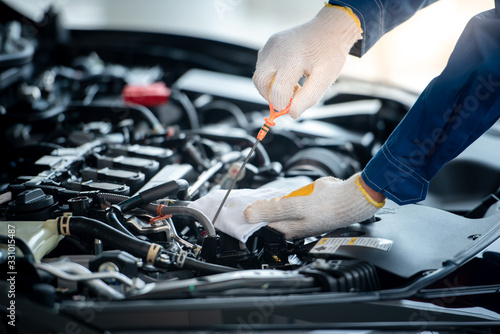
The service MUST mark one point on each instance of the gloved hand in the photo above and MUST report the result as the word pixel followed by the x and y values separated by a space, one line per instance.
pixel 316 49
pixel 322 206
pixel 231 220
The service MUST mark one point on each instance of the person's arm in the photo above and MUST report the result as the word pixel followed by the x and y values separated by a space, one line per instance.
pixel 378 17
pixel 452 112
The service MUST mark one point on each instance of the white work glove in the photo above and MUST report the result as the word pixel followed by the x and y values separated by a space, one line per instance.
pixel 316 49
pixel 322 206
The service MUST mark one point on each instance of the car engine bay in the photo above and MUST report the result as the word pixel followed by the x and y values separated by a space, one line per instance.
pixel 107 140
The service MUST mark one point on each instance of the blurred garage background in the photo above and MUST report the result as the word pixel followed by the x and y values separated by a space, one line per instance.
pixel 409 56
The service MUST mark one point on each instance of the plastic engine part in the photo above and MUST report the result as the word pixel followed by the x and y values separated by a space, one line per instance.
pixel 344 275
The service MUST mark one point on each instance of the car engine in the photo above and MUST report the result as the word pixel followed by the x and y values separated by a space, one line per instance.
pixel 105 147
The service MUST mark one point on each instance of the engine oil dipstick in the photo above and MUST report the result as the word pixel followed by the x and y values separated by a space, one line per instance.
pixel 269 122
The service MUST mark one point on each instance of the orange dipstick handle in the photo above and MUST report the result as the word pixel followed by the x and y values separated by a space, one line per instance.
pixel 270 120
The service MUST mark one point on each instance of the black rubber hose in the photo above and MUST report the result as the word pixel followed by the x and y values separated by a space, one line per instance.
pixel 206 268
pixel 108 198
pixel 95 229
pixel 130 203
pixel 188 106
pixel 152 194
pixel 163 190
pixel 186 211
pixel 230 107
pixel 113 220
pixel 167 210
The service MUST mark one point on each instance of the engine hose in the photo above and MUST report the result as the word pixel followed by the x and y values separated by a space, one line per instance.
pixel 108 199
pixel 186 211
pixel 163 190
pixel 189 108
pixel 88 227
pixel 83 226
pixel 230 107
pixel 144 197
pixel 130 203
pixel 206 268
pixel 113 220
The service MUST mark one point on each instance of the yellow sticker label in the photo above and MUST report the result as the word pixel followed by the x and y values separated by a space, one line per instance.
pixel 352 241
pixel 322 241
pixel 331 245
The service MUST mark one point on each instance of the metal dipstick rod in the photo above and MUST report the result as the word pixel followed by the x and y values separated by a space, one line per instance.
pixel 269 122
pixel 235 179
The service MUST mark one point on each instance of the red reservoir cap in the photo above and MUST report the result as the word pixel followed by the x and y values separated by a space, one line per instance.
pixel 149 95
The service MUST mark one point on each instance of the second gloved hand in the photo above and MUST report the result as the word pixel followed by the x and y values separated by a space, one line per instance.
pixel 322 206
pixel 316 49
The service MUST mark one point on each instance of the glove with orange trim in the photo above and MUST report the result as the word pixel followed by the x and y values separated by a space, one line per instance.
pixel 319 207
pixel 316 49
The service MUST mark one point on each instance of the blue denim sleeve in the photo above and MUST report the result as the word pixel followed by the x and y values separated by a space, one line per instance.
pixel 378 17
pixel 453 111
